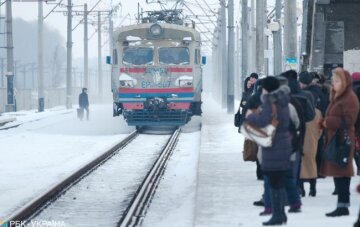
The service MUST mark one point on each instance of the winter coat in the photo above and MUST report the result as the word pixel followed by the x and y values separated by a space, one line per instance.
pixel 303 98
pixel 83 100
pixel 276 157
pixel 245 96
pixel 312 135
pixel 320 97
pixel 343 104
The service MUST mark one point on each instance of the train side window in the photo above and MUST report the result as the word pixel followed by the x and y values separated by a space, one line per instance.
pixel 115 57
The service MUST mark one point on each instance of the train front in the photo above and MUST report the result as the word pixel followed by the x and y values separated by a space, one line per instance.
pixel 157 79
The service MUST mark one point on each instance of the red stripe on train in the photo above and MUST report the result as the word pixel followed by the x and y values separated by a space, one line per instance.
pixel 156 90
pixel 179 105
pixel 132 70
pixel 180 70
pixel 133 106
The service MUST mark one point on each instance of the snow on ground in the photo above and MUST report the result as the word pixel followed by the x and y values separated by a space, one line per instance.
pixel 173 202
pixel 50 146
pixel 101 197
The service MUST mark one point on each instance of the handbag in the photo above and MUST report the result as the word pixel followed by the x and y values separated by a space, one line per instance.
pixel 250 150
pixel 237 118
pixel 261 136
pixel 339 147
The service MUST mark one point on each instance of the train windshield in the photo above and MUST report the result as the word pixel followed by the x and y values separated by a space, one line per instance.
pixel 174 56
pixel 138 56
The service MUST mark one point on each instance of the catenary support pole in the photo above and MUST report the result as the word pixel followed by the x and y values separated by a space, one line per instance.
pixel 69 57
pixel 100 83
pixel 86 48
pixel 277 40
pixel 231 58
pixel 244 40
pixel 223 56
pixel 260 36
pixel 41 98
pixel 10 105
pixel 290 31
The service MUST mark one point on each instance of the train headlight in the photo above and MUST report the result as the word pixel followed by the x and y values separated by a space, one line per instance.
pixel 155 30
pixel 126 83
pixel 185 83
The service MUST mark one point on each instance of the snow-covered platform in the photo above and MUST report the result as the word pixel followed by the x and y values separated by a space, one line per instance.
pixel 227 186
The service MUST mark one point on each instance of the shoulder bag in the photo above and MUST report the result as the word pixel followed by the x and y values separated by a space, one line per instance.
pixel 339 147
pixel 262 136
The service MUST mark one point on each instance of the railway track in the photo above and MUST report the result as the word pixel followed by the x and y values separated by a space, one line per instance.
pixel 138 206
pixel 38 204
pixel 133 202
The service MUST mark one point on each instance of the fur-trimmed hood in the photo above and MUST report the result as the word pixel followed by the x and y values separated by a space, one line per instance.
pixel 280 95
pixel 346 83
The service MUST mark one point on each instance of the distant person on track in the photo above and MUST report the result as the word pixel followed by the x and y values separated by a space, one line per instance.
pixel 84 103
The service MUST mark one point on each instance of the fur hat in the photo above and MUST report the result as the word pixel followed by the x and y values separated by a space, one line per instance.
pixel 305 78
pixel 270 83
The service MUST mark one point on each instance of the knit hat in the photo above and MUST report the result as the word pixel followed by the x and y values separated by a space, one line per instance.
pixel 355 76
pixel 270 83
pixel 305 78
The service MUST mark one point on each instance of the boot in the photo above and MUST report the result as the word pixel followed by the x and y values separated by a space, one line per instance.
pixel 267 211
pixel 295 208
pixel 278 202
pixel 301 188
pixel 340 211
pixel 312 187
pixel 259 203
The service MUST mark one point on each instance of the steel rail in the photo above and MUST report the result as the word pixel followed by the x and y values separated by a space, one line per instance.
pixel 34 207
pixel 136 210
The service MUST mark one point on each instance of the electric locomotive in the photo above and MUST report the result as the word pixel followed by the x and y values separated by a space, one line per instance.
pixel 157 72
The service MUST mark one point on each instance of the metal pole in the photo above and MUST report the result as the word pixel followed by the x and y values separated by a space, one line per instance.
pixel 69 57
pixel 2 72
pixel 99 56
pixel 290 30
pixel 231 58
pixel 223 56
pixel 24 73
pixel 138 19
pixel 277 40
pixel 41 104
pixel 10 106
pixel 86 52
pixel 260 36
pixel 244 41
pixel 238 64
pixel 252 56
pixel 111 46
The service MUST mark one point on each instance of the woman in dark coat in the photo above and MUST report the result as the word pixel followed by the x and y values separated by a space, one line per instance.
pixel 248 88
pixel 343 105
pixel 275 159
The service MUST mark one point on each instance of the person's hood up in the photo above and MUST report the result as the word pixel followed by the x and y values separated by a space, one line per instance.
pixel 346 83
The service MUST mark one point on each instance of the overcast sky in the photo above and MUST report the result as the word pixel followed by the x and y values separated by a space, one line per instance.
pixel 28 11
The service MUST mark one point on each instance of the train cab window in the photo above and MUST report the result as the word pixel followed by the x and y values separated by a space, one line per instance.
pixel 138 56
pixel 174 56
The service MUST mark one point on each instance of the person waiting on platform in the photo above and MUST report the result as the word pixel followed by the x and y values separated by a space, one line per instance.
pixel 84 102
